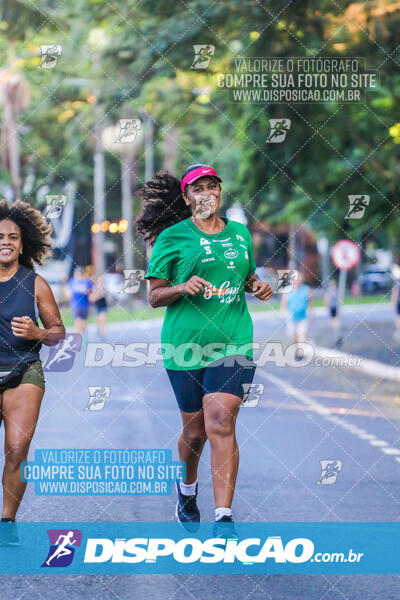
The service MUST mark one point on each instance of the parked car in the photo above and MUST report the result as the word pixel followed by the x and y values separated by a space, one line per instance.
pixel 375 279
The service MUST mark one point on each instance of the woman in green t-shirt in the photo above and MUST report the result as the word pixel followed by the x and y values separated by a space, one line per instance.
pixel 200 267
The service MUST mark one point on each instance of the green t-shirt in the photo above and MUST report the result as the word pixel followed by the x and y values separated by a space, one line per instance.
pixel 200 329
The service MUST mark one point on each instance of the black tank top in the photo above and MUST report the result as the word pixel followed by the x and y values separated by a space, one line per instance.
pixel 17 299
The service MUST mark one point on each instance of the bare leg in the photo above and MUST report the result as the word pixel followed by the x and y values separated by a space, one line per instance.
pixel 101 323
pixel 220 413
pixel 20 411
pixel 80 325
pixel 335 323
pixel 1 408
pixel 191 442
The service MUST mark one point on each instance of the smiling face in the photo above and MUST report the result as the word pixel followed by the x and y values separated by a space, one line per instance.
pixel 10 242
pixel 204 196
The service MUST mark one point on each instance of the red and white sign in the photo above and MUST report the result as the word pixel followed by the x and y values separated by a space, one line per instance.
pixel 345 254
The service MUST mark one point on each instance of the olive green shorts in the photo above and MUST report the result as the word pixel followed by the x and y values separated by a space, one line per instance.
pixel 33 374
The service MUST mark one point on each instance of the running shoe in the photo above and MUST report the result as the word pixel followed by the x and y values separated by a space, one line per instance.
pixel 186 510
pixel 225 528
pixel 9 534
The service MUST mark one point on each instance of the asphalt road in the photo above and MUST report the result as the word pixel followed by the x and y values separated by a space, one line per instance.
pixel 367 331
pixel 305 414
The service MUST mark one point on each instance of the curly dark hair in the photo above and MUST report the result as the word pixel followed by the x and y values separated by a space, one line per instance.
pixel 35 231
pixel 163 205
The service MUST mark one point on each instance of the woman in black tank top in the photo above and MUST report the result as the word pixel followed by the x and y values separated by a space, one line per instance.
pixel 24 240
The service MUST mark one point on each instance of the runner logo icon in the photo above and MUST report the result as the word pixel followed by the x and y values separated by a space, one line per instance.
pixel 62 547
pixel 62 355
pixel 279 129
pixel 329 471
pixel 98 396
pixel 252 393
pixel 128 129
pixel 54 206
pixel 286 280
pixel 133 278
pixel 202 55
pixel 357 206
pixel 49 55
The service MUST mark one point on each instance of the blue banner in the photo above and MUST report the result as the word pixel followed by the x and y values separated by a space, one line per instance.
pixel 149 548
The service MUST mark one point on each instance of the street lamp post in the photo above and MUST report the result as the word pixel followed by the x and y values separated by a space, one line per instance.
pixel 98 41
pixel 99 203
pixel 129 152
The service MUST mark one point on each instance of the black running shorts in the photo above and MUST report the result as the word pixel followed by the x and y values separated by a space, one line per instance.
pixel 226 375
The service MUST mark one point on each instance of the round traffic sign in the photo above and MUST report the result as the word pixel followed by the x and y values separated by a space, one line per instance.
pixel 345 254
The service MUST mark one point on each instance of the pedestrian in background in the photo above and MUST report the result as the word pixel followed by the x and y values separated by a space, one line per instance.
pixel 331 299
pixel 395 298
pixel 98 297
pixel 295 306
pixel 79 288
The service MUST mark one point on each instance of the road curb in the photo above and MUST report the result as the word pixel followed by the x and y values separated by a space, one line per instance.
pixel 373 368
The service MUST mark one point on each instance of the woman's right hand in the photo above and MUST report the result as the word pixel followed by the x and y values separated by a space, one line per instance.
pixel 194 286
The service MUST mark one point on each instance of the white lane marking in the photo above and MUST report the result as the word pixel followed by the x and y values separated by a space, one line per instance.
pixel 391 451
pixel 325 413
pixel 352 427
pixel 378 443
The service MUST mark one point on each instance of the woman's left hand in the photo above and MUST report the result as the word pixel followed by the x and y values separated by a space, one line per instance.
pixel 262 290
pixel 25 327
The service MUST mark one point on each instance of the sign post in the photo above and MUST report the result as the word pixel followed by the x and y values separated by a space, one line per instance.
pixel 345 255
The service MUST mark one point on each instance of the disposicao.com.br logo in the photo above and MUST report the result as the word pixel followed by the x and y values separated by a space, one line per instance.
pixel 62 547
pixel 213 550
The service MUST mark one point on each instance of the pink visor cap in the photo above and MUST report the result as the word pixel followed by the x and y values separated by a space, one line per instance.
pixel 196 174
